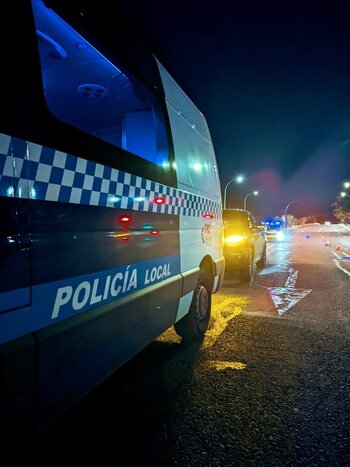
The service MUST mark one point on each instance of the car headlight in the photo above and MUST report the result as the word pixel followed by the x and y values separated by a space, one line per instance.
pixel 280 236
pixel 234 239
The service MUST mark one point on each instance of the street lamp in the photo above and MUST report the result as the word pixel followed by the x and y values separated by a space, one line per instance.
pixel 238 179
pixel 346 184
pixel 246 196
pixel 342 194
pixel 294 201
pixel 285 212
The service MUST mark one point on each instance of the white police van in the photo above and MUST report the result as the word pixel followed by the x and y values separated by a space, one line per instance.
pixel 110 204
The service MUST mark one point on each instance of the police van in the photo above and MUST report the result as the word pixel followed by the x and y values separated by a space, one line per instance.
pixel 110 204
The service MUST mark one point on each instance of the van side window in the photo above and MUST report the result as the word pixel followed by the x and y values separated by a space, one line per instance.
pixel 85 90
pixel 194 153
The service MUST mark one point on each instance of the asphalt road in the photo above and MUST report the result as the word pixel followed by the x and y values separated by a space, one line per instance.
pixel 269 385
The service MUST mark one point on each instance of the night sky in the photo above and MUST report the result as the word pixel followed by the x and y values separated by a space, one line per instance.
pixel 273 81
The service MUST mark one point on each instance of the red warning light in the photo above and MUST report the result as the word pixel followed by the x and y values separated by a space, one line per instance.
pixel 126 239
pixel 159 200
pixel 125 219
pixel 208 216
pixel 154 232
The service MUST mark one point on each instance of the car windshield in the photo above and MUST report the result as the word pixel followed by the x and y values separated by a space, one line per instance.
pixel 234 218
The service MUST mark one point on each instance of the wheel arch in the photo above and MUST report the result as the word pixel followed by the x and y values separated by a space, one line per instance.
pixel 207 264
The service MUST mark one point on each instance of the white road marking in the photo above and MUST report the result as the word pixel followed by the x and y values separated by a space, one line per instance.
pixel 345 255
pixel 292 278
pixel 336 255
pixel 341 268
pixel 286 297
pixel 273 269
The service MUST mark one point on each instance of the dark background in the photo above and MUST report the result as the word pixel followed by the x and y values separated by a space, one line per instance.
pixel 272 79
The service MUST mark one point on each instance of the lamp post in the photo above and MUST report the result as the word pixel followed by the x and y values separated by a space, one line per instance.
pixel 238 179
pixel 285 212
pixel 246 196
pixel 294 201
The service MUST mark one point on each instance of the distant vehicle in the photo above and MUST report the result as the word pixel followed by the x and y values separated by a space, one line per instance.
pixel 244 243
pixel 275 235
pixel 273 223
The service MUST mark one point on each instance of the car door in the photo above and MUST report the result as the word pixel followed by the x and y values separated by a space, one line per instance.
pixel 258 238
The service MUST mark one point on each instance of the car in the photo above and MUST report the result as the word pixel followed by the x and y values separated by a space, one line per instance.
pixel 244 243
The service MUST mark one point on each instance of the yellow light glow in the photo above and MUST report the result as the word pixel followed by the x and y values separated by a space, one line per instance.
pixel 234 239
pixel 224 310
pixel 123 234
pixel 222 365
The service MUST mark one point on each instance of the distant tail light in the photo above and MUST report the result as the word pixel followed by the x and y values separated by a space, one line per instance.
pixel 159 200
pixel 124 219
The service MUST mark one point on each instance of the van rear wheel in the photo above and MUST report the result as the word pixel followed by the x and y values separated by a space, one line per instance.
pixel 195 323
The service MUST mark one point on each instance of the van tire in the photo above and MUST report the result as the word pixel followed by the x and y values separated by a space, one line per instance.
pixel 195 323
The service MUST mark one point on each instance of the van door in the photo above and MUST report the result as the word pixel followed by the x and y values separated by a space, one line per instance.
pixel 14 225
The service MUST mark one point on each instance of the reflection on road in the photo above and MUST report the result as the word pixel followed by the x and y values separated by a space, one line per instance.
pixel 225 309
pixel 274 269
pixel 310 248
pixel 220 365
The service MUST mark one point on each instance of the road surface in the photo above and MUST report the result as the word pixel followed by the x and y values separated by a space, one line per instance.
pixel 269 385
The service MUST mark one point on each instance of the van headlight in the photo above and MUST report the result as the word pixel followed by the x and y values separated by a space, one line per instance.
pixel 234 239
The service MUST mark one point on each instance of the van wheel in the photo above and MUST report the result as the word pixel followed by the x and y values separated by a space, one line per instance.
pixel 195 323
pixel 246 272
pixel 262 262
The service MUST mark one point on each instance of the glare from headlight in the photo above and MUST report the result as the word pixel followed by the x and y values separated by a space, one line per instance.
pixel 234 239
pixel 280 235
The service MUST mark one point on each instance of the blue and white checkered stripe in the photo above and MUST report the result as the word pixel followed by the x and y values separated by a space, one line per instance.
pixel 29 170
